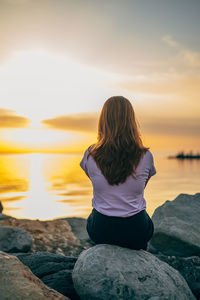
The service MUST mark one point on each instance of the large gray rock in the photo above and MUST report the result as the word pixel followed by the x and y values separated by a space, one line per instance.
pixel 177 227
pixel 53 269
pixel 189 267
pixel 14 239
pixel 17 282
pixel 107 272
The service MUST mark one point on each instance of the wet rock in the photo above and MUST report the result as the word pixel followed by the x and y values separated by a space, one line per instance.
pixel 17 282
pixel 111 272
pixel 53 269
pixel 177 227
pixel 14 239
pixel 189 268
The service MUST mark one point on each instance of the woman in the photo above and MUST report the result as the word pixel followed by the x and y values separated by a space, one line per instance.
pixel 119 167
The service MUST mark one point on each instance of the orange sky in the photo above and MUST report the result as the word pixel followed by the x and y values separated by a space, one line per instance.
pixel 56 75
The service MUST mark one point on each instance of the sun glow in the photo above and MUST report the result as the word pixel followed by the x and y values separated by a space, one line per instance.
pixel 37 138
pixel 42 85
pixel 38 85
pixel 45 140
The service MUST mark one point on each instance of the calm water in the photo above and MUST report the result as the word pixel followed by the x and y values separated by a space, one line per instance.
pixel 46 186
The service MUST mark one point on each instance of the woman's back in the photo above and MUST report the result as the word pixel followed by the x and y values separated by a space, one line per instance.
pixel 124 199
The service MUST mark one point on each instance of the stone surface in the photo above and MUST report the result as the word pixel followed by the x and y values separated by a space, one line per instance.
pixel 53 269
pixel 18 283
pixel 177 227
pixel 189 267
pixel 14 239
pixel 111 272
pixel 52 236
pixel 78 226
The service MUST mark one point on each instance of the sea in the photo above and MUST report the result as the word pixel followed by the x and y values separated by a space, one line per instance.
pixel 50 186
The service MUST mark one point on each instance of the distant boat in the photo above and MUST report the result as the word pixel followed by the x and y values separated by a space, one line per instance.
pixel 182 155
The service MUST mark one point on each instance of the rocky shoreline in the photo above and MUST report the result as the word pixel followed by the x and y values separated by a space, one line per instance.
pixel 57 260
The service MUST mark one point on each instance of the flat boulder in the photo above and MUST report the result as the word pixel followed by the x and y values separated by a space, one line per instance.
pixel 112 272
pixel 14 239
pixel 18 282
pixel 177 227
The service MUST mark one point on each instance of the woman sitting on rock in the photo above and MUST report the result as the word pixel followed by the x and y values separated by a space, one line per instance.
pixel 119 167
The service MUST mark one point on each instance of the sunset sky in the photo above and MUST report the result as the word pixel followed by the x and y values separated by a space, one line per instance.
pixel 61 59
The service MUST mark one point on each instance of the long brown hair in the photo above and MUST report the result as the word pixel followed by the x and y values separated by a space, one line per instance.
pixel 119 147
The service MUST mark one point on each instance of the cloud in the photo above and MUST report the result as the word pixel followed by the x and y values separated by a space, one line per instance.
pixel 16 1
pixel 167 96
pixel 185 56
pixel 168 84
pixel 191 58
pixel 150 124
pixel 172 126
pixel 170 41
pixel 89 31
pixel 4 111
pixel 77 122
pixel 9 120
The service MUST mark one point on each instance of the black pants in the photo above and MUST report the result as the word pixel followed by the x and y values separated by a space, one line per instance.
pixel 132 232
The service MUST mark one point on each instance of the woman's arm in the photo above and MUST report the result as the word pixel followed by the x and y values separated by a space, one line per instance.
pixel 83 163
pixel 146 182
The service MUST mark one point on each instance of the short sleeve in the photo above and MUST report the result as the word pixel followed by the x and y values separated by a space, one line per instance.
pixel 152 170
pixel 83 162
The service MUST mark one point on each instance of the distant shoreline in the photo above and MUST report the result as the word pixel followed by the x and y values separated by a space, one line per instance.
pixel 183 155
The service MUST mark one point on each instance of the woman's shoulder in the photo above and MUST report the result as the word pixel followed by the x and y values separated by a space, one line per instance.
pixel 148 153
pixel 147 156
pixel 85 159
pixel 90 147
pixel 87 152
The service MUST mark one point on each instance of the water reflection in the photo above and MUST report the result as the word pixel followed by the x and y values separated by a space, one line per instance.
pixel 43 186
pixel 173 178
pixel 15 198
pixel 48 186
pixel 13 174
pixel 14 181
